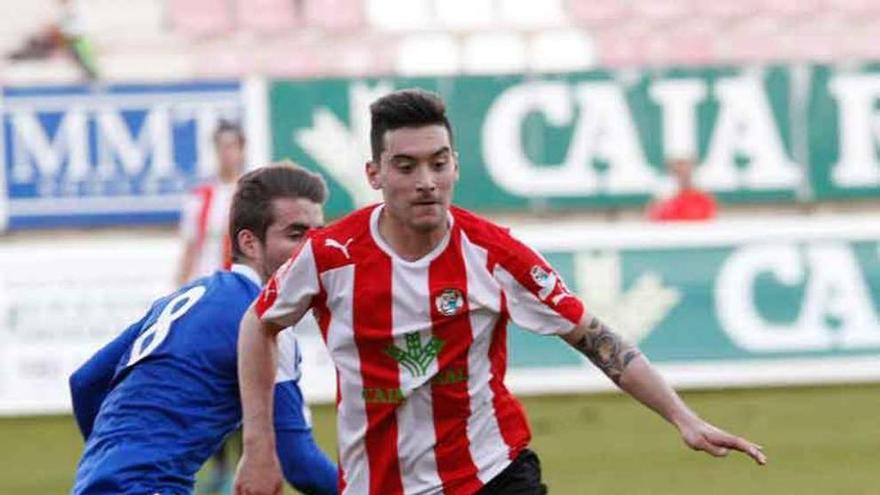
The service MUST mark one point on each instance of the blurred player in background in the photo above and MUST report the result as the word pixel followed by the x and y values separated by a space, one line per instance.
pixel 413 297
pixel 688 203
pixel 204 219
pixel 158 400
pixel 66 35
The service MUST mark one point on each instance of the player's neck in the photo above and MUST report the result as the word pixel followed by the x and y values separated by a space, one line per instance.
pixel 406 242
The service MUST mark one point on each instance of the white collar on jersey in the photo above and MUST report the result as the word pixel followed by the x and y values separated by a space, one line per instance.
pixel 248 272
pixel 439 248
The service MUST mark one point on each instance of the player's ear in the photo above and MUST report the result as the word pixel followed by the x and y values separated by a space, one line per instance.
pixel 248 243
pixel 372 171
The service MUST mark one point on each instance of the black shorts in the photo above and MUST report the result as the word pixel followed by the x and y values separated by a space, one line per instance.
pixel 521 477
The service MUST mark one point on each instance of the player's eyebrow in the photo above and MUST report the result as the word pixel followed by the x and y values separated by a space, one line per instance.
pixel 299 226
pixel 404 156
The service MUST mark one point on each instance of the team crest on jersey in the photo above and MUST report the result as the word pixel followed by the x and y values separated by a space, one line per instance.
pixel 449 302
pixel 546 280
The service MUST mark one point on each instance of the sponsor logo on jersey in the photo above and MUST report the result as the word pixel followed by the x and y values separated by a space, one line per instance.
pixel 341 247
pixel 450 302
pixel 394 395
pixel 417 357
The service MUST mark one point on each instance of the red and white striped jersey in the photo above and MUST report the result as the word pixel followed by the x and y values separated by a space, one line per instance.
pixel 204 220
pixel 420 347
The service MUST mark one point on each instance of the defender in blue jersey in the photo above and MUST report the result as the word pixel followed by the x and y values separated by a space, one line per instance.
pixel 155 402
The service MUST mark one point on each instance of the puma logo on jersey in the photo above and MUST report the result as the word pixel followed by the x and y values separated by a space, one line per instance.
pixel 342 247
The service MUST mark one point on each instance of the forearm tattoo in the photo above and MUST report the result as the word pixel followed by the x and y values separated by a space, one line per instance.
pixel 607 350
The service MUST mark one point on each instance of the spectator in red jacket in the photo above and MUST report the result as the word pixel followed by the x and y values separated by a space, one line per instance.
pixel 688 203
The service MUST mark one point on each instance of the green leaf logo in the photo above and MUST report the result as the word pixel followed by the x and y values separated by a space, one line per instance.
pixel 417 357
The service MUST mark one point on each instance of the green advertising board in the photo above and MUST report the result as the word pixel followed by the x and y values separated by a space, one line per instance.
pixel 844 132
pixel 599 139
pixel 723 296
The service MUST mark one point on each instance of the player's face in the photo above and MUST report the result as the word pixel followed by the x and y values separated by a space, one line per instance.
pixel 292 219
pixel 417 173
pixel 230 154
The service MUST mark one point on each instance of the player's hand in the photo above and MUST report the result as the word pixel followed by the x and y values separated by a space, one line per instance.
pixel 258 475
pixel 700 435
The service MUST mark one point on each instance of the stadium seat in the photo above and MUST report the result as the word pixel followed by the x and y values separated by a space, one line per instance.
pixel 599 12
pixel 139 23
pixel 614 50
pixel 756 41
pixel 660 10
pixel 685 43
pixel 529 14
pixel 853 8
pixel 560 51
pixel 400 15
pixel 199 18
pixel 725 9
pixel 816 39
pixel 444 55
pixel 359 55
pixel 265 16
pixel 494 53
pixel 334 14
pixel 465 14
pixel 225 60
pixel 790 8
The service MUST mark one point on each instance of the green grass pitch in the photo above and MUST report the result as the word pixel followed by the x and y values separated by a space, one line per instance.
pixel 820 440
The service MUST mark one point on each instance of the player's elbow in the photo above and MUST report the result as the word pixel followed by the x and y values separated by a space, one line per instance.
pixel 76 383
pixel 304 466
pixel 309 479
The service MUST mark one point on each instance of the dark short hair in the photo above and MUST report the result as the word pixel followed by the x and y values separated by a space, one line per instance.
pixel 231 127
pixel 252 202
pixel 405 108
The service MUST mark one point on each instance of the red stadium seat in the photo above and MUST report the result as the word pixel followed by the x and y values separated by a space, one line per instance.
pixel 598 12
pixel 334 14
pixel 787 8
pixel 200 17
pixel 266 16
pixel 660 10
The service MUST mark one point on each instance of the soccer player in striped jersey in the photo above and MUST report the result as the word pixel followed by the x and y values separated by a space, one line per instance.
pixel 204 217
pixel 413 297
pixel 159 399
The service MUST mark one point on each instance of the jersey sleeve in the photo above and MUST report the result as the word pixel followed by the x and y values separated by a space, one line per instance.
pixel 304 465
pixel 290 291
pixel 90 383
pixel 538 299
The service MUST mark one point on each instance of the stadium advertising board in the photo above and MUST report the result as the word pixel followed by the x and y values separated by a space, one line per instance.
pixel 62 300
pixel 843 132
pixel 601 138
pixel 117 154
pixel 723 304
pixel 731 303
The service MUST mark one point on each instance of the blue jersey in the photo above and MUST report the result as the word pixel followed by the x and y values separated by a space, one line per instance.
pixel 156 402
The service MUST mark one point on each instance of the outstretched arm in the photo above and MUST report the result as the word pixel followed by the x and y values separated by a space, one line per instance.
pixel 259 472
pixel 632 372
pixel 90 383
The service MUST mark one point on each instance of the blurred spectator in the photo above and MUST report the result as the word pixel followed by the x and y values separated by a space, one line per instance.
pixel 204 220
pixel 67 36
pixel 688 203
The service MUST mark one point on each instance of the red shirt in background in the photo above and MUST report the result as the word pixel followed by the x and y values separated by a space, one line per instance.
pixel 690 204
